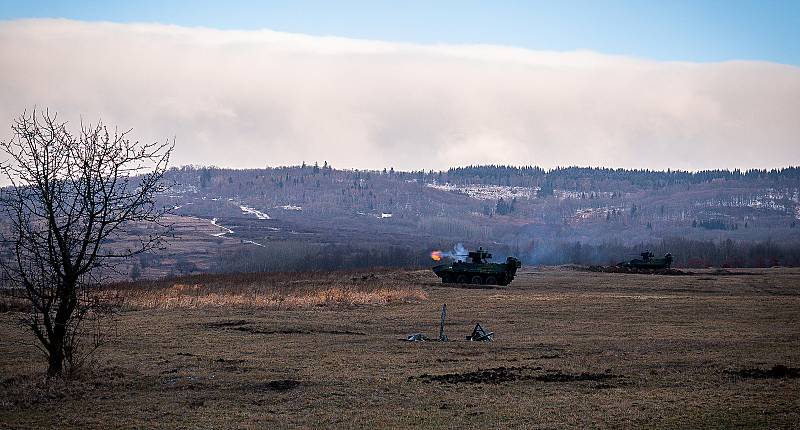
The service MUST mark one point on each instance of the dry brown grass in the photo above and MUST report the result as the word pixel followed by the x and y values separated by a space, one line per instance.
pixel 572 349
pixel 266 291
pixel 13 300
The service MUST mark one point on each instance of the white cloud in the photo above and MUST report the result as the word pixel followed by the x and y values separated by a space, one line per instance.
pixel 257 98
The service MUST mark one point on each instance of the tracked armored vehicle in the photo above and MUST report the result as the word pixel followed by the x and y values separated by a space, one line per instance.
pixel 648 261
pixel 478 270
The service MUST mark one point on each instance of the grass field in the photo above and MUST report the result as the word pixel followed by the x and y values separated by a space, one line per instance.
pixel 572 349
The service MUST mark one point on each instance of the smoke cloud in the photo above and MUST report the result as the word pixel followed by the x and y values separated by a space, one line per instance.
pixel 258 98
pixel 459 253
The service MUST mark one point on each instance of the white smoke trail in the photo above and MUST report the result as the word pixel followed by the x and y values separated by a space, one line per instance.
pixel 459 253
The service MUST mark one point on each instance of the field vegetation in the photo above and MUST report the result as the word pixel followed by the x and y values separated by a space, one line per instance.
pixel 572 348
pixel 265 291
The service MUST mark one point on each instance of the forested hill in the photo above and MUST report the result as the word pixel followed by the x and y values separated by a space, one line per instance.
pixel 316 216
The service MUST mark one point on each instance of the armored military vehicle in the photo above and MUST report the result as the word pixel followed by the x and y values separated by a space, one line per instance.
pixel 478 270
pixel 648 261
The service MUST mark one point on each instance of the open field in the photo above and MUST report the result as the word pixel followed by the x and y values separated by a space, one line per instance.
pixel 572 348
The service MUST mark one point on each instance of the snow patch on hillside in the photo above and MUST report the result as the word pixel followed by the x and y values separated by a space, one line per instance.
pixel 772 199
pixel 575 195
pixel 252 211
pixel 254 243
pixel 488 192
pixel 227 230
pixel 589 213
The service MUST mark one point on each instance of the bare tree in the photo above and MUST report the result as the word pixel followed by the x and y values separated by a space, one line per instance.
pixel 70 198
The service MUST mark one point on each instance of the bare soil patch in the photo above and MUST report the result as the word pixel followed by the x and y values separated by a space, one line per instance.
pixel 279 385
pixel 637 271
pixel 501 374
pixel 779 371
pixel 248 327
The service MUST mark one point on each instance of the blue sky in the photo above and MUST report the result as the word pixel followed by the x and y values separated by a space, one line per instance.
pixel 701 31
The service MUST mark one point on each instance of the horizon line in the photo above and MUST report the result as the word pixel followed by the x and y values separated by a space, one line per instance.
pixel 508 166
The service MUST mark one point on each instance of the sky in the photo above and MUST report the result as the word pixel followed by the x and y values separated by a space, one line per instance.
pixel 677 30
pixel 420 85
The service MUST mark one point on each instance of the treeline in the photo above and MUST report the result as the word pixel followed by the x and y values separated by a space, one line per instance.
pixel 305 257
pixel 686 253
pixel 576 178
pixel 572 178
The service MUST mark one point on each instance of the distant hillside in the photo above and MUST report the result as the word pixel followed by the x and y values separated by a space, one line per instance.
pixel 313 217
pixel 316 217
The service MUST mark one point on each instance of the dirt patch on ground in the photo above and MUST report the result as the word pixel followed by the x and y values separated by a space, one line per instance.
pixel 633 270
pixel 245 326
pixel 256 330
pixel 471 286
pixel 278 385
pixel 226 324
pixel 500 375
pixel 778 371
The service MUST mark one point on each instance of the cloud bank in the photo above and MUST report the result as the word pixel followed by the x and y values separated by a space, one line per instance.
pixel 265 98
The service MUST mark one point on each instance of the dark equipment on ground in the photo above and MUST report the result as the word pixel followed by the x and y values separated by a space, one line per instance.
pixel 442 336
pixel 648 261
pixel 478 270
pixel 480 334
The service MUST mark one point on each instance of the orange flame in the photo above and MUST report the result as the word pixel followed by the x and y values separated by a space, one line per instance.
pixel 436 255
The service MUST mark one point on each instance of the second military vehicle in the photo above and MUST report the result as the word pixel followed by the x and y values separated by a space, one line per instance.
pixel 648 261
pixel 478 270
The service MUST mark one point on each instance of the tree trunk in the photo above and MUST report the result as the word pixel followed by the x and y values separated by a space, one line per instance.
pixel 56 359
pixel 66 306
